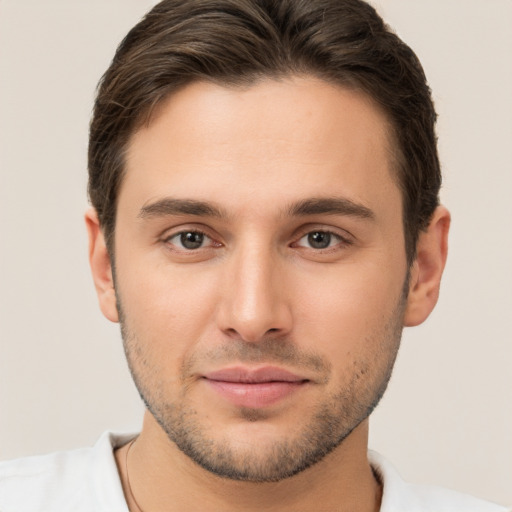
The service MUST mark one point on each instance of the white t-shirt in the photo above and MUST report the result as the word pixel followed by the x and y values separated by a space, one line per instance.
pixel 87 480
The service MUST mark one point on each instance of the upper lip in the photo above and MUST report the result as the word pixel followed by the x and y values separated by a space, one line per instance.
pixel 240 374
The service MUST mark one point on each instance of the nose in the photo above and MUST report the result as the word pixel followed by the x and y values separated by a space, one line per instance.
pixel 253 304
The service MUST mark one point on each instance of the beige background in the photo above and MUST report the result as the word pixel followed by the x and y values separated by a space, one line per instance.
pixel 447 418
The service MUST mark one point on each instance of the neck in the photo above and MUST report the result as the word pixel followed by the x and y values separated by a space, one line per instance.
pixel 162 479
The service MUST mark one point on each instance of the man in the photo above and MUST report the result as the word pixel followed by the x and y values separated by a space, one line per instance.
pixel 264 181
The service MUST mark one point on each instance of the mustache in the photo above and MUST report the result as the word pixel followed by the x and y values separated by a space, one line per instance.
pixel 270 350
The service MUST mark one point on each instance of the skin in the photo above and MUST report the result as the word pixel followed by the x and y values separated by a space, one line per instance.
pixel 259 292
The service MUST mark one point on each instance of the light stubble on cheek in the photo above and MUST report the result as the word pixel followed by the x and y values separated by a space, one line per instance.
pixel 347 393
pixel 349 365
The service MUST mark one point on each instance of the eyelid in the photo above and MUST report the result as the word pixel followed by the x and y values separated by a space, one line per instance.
pixel 170 233
pixel 340 233
pixel 344 237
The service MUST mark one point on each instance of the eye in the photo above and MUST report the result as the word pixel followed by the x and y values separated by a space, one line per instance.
pixel 189 240
pixel 321 240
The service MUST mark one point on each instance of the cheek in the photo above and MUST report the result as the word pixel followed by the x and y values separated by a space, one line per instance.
pixel 165 307
pixel 349 312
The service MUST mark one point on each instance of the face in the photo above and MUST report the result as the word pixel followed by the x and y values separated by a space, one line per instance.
pixel 260 270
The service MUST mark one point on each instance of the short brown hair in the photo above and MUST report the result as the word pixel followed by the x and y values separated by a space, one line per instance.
pixel 238 42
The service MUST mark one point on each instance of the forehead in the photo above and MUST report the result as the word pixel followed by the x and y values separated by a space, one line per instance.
pixel 292 137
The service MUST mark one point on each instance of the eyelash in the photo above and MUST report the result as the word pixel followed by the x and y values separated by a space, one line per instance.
pixel 340 241
pixel 168 240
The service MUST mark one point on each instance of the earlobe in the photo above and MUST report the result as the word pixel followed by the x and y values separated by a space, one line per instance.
pixel 427 269
pixel 101 268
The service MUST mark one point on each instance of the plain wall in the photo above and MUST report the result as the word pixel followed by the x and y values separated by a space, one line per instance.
pixel 447 416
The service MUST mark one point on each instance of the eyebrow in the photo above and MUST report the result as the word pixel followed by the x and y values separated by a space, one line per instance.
pixel 313 206
pixel 172 206
pixel 330 206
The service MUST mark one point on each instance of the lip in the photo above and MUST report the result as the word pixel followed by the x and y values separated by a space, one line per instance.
pixel 254 387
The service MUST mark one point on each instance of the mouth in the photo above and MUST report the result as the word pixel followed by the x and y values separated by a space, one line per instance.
pixel 254 387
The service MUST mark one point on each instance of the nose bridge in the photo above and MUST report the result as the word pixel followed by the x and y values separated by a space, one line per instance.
pixel 254 300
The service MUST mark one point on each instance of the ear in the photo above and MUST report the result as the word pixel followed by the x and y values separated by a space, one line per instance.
pixel 427 269
pixel 101 267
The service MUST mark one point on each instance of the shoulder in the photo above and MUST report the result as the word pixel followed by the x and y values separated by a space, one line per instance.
pixel 400 496
pixel 80 480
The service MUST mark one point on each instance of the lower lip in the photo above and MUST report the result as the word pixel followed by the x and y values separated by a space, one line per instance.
pixel 255 395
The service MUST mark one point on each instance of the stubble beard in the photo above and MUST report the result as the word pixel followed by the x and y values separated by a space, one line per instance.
pixel 333 421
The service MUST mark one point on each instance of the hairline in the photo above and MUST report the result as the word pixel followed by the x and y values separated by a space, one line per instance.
pixel 397 163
